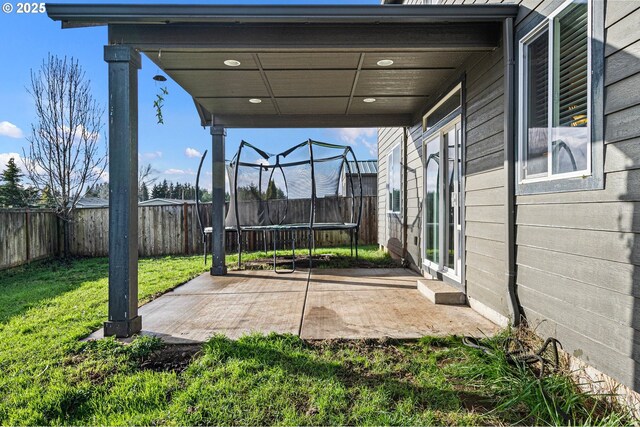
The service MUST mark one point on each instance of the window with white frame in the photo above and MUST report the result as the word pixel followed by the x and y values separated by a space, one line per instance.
pixel 393 186
pixel 555 96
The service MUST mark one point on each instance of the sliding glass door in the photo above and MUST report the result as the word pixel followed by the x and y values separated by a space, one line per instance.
pixel 432 201
pixel 442 200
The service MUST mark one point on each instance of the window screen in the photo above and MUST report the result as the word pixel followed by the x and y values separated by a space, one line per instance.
pixel 570 139
pixel 555 136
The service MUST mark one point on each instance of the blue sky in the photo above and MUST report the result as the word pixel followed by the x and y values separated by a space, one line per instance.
pixel 172 149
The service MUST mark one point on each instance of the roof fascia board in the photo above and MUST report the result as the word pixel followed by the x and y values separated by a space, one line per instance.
pixel 76 15
pixel 252 38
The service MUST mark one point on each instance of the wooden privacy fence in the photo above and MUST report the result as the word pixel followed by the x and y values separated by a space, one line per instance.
pixel 27 235
pixel 173 229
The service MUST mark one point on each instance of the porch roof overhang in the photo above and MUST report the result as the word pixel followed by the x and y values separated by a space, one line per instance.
pixel 311 66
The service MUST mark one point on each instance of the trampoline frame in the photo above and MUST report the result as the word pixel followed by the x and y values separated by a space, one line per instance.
pixel 352 227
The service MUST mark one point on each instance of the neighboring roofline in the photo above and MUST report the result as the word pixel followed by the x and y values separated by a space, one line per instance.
pixel 84 15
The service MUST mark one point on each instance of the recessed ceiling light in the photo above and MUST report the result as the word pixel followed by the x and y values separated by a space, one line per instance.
pixel 231 63
pixel 385 62
pixel 369 100
pixel 255 100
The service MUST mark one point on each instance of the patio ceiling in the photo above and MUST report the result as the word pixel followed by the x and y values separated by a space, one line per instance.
pixel 310 66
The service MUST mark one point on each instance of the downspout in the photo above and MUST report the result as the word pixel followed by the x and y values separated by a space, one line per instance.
pixel 509 168
pixel 405 199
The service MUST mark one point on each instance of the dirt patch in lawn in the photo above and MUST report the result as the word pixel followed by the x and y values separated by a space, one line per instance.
pixel 171 358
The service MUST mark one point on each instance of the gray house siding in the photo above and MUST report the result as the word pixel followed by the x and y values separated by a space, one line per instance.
pixel 577 253
pixel 392 231
pixel 414 182
pixel 484 184
pixel 389 224
pixel 484 190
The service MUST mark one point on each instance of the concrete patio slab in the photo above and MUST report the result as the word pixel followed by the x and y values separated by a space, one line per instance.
pixel 323 304
pixel 249 281
pixel 361 303
pixel 234 305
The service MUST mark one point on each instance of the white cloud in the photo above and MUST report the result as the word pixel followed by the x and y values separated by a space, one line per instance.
pixel 104 175
pixel 360 136
pixel 79 134
pixel 10 130
pixel 179 172
pixel 4 159
pixel 192 152
pixel 151 155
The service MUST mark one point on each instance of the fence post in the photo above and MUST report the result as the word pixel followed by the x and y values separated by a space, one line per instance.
pixel 185 225
pixel 28 240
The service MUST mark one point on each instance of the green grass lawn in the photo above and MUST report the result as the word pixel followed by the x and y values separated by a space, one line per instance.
pixel 47 376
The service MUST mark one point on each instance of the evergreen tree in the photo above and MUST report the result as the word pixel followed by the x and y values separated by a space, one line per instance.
pixel 273 192
pixel 98 190
pixel 144 192
pixel 205 196
pixel 164 189
pixel 11 192
pixel 156 191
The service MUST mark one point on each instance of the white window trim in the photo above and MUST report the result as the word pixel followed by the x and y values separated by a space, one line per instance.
pixel 444 99
pixel 390 178
pixel 547 23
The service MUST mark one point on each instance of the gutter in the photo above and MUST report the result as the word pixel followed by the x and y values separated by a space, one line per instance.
pixel 83 14
pixel 405 201
pixel 509 168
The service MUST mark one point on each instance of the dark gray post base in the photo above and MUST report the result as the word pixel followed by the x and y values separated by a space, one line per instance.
pixel 123 328
pixel 218 271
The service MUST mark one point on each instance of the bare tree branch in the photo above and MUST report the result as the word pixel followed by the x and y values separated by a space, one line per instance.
pixel 65 155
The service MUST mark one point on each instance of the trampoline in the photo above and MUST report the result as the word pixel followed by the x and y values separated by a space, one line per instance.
pixel 279 193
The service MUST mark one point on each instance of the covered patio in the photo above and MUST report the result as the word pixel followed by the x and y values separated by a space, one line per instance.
pixel 277 67
pixel 314 304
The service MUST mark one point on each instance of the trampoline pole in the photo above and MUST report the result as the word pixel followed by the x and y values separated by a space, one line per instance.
pixel 310 248
pixel 264 241
pixel 351 241
pixel 293 257
pixel 239 249
pixel 275 250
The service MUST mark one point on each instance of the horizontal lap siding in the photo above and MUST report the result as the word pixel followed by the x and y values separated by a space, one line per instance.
pixel 484 186
pixel 578 253
pixel 484 178
pixel 390 229
pixel 389 225
pixel 414 194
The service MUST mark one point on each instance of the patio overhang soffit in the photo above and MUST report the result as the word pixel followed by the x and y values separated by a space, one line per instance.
pixel 311 66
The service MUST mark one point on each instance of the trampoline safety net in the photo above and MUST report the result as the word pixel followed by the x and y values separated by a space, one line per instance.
pixel 294 190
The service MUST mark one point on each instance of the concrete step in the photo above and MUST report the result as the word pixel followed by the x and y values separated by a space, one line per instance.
pixel 439 292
